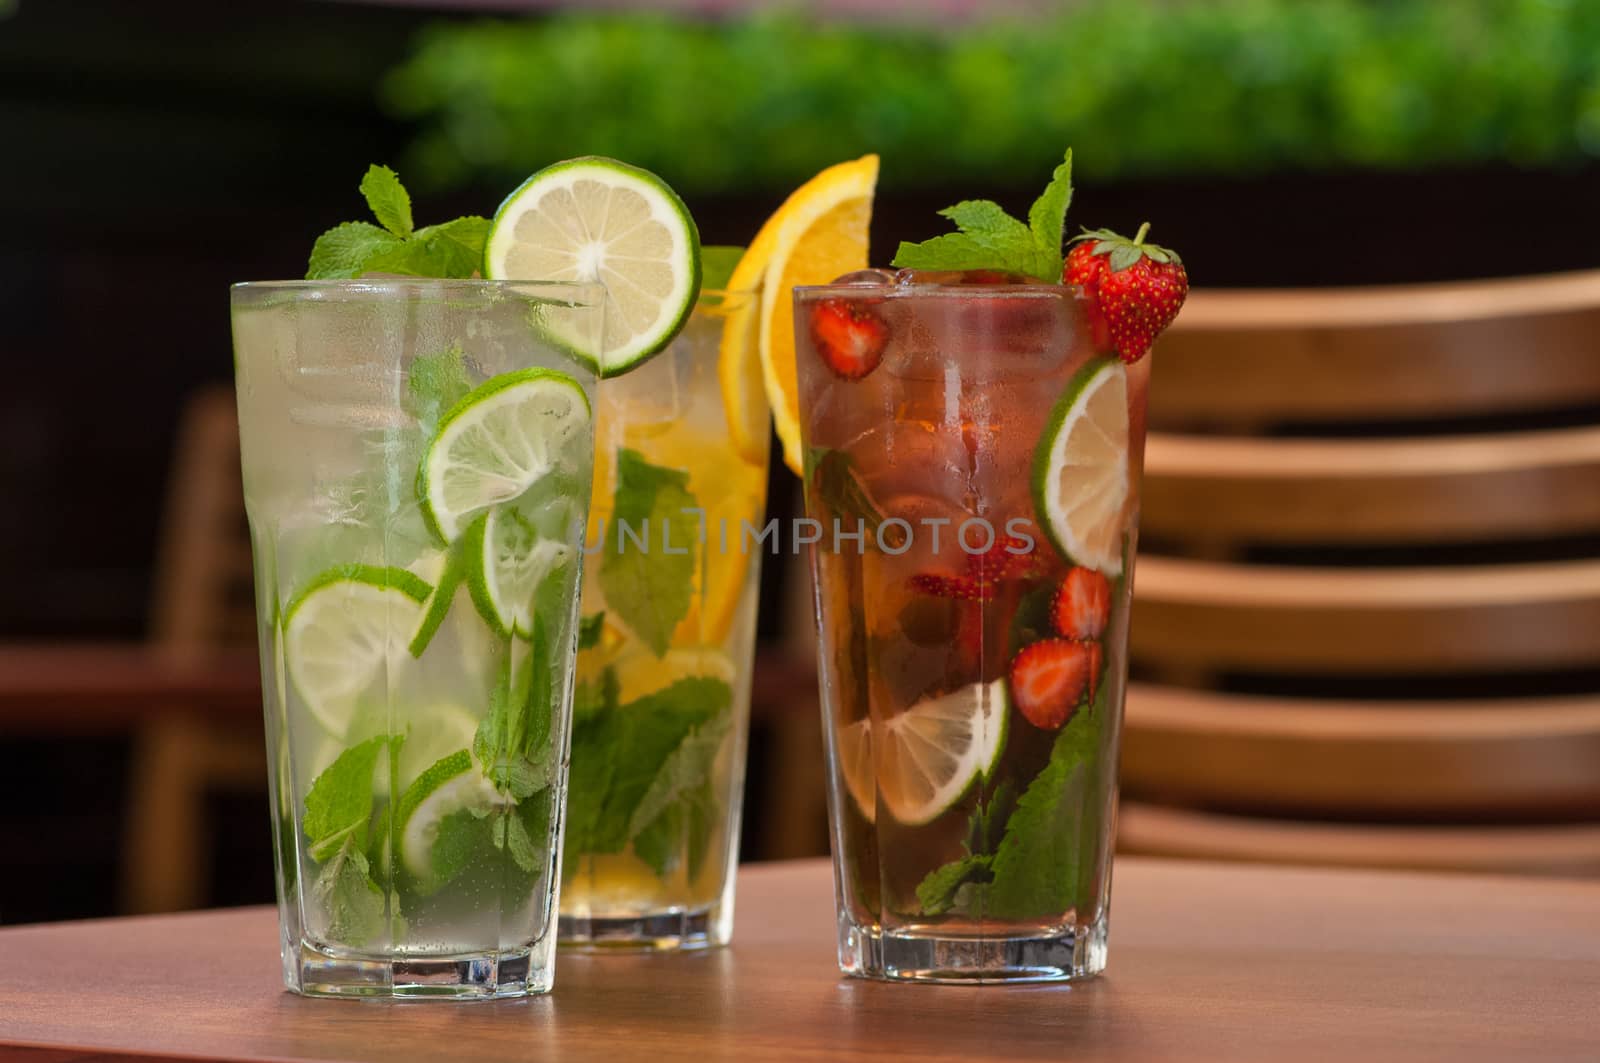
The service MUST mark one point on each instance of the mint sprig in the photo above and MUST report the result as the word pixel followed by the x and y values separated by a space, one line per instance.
pixel 641 772
pixel 989 238
pixel 449 249
pixel 337 823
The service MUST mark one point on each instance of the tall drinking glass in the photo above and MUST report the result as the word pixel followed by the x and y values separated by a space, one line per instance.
pixel 973 639
pixel 669 604
pixel 417 462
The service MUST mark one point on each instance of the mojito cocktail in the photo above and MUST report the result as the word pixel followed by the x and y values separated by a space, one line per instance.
pixel 973 441
pixel 669 602
pixel 417 461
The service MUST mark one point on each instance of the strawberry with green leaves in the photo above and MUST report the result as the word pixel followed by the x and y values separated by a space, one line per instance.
pixel 1135 289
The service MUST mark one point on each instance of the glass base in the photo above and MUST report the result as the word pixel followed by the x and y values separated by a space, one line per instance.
pixel 668 931
pixel 318 972
pixel 924 955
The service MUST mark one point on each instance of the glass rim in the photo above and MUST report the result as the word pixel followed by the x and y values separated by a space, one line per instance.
pixel 938 291
pixel 379 284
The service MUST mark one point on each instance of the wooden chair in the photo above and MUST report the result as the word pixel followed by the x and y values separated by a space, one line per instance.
pixel 202 604
pixel 1503 783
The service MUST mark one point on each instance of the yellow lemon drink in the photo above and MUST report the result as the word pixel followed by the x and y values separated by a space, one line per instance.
pixel 669 605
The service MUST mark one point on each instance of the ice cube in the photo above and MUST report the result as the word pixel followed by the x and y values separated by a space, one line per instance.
pixel 866 277
pixel 949 278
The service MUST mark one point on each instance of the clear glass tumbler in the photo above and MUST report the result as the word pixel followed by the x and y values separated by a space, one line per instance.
pixel 417 462
pixel 669 604
pixel 978 495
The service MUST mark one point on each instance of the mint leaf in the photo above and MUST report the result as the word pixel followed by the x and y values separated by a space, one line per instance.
pixel 986 826
pixel 717 264
pixel 1047 218
pixel 589 629
pixel 339 803
pixel 647 570
pixel 596 737
pixel 937 893
pixel 346 250
pixel 992 239
pixel 435 383
pixel 1038 865
pixel 681 833
pixel 345 891
pixel 654 727
pixel 618 754
pixel 833 476
pixel 388 199
pixel 518 845
pixel 688 766
pixel 462 838
pixel 987 222
pixel 450 249
pixel 512 739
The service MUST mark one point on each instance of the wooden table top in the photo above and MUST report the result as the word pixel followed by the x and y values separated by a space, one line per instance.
pixel 1207 962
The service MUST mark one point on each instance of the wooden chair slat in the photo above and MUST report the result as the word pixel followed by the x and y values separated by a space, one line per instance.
pixel 1523 484
pixel 1206 749
pixel 1405 351
pixel 1561 850
pixel 1426 620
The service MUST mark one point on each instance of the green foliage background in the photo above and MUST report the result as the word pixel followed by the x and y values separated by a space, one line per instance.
pixel 1141 87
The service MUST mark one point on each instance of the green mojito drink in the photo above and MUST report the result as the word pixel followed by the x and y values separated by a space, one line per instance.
pixel 417 462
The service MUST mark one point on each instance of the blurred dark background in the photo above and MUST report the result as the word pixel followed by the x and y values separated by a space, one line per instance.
pixel 156 152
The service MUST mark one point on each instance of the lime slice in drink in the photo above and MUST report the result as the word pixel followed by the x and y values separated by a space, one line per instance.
pixel 596 219
pixel 1080 471
pixel 346 629
pixel 508 564
pixel 853 747
pixel 432 734
pixel 498 441
pixel 451 785
pixel 930 754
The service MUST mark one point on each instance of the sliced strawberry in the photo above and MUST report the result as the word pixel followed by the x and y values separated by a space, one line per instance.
pixel 1083 605
pixel 1096 664
pixel 849 338
pixel 1049 679
pixel 965 588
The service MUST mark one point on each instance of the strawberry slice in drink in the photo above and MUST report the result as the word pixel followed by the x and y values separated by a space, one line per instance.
pixel 848 337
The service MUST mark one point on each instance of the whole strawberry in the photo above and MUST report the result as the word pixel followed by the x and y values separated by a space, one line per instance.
pixel 1135 289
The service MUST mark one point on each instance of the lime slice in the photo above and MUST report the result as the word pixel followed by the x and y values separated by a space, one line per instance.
pixel 511 561
pixel 853 747
pixel 431 735
pixel 451 785
pixel 498 441
pixel 930 754
pixel 596 219
pixel 345 631
pixel 1080 471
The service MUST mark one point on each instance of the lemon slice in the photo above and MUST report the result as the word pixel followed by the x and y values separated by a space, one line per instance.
pixel 819 233
pixel 852 747
pixel 641 672
pixel 1080 471
pixel 930 754
pixel 744 395
pixel 597 219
